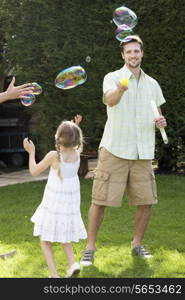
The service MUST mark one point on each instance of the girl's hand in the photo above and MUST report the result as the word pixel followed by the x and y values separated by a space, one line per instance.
pixel 77 119
pixel 28 145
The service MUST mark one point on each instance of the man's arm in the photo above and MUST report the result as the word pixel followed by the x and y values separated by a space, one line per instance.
pixel 113 97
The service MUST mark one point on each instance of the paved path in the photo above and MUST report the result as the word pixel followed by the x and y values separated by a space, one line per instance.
pixel 24 175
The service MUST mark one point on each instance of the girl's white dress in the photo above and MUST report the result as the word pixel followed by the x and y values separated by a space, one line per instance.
pixel 58 217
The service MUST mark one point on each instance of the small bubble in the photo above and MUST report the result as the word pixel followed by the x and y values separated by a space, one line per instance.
pixel 37 89
pixel 28 99
pixel 88 59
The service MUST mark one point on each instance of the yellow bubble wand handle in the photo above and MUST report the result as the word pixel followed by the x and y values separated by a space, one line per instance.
pixel 157 115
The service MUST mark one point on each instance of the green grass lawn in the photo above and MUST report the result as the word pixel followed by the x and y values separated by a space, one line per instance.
pixel 164 237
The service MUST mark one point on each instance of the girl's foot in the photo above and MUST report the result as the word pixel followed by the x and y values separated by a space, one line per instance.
pixel 73 270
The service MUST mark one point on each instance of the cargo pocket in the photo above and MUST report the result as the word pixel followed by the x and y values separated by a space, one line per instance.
pixel 100 186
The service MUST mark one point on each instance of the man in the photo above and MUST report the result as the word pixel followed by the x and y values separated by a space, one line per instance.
pixel 126 148
pixel 15 92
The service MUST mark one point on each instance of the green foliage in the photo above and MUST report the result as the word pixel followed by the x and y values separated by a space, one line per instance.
pixel 43 37
pixel 164 42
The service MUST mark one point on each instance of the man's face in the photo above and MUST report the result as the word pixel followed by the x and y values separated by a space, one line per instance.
pixel 132 55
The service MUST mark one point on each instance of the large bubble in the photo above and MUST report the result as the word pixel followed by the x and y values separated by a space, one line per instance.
pixel 122 32
pixel 37 89
pixel 124 15
pixel 70 77
pixel 28 99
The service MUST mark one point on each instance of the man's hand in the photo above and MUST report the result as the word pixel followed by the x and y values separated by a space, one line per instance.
pixel 160 122
pixel 122 88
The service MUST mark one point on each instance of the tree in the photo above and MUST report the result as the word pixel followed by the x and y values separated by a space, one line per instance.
pixel 44 37
pixel 5 66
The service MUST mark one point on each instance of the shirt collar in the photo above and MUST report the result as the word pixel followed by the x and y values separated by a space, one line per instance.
pixel 127 73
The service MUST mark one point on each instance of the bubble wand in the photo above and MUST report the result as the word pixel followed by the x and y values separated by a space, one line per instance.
pixel 157 115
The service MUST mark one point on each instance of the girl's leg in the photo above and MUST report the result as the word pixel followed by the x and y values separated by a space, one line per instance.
pixel 48 254
pixel 68 249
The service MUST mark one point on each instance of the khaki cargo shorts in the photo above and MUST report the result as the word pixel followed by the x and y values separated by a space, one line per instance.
pixel 116 176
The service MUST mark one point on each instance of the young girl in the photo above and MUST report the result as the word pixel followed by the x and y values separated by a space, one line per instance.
pixel 58 217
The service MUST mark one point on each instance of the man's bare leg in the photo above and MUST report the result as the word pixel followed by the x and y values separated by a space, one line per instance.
pixel 142 218
pixel 95 219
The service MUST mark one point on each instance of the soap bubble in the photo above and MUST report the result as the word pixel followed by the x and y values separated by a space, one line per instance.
pixel 28 99
pixel 70 77
pixel 124 15
pixel 37 89
pixel 127 39
pixel 122 32
pixel 88 59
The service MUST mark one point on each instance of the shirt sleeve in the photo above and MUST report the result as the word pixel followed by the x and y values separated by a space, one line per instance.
pixel 109 83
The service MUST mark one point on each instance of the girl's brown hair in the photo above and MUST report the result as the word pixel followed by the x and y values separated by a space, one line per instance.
pixel 69 135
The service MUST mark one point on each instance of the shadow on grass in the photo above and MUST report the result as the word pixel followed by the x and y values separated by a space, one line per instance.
pixel 89 272
pixel 135 268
